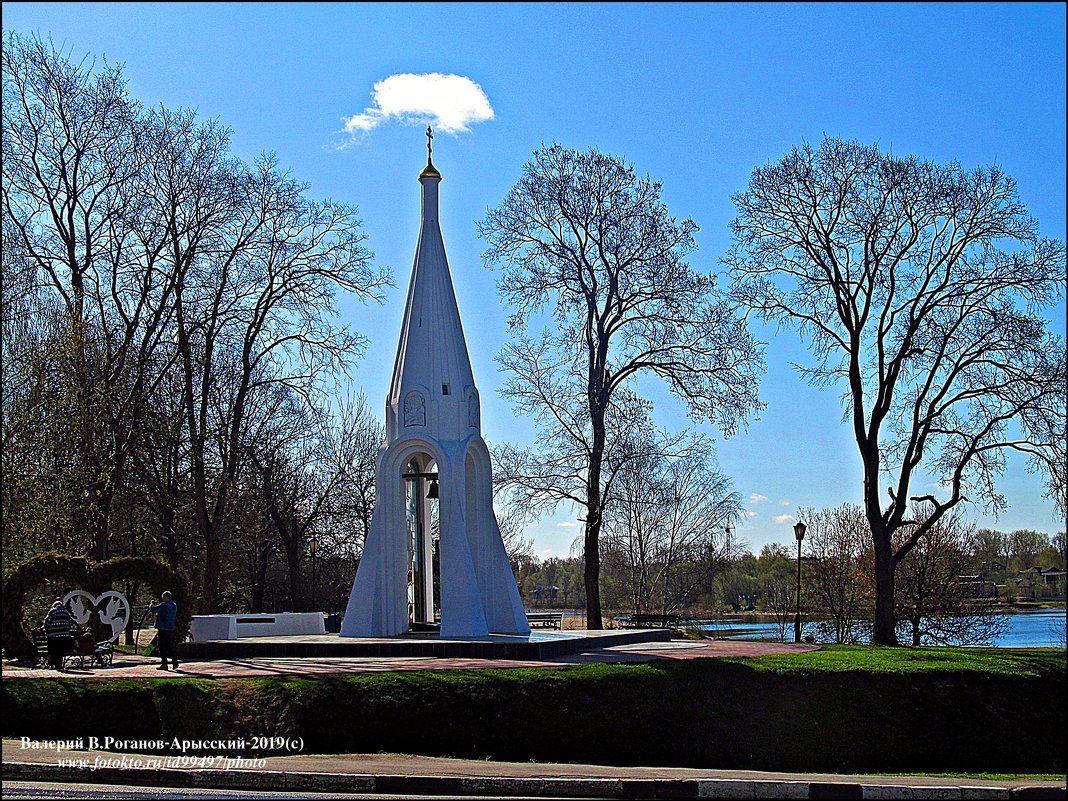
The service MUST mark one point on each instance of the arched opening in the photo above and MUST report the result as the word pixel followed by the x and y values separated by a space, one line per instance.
pixel 421 514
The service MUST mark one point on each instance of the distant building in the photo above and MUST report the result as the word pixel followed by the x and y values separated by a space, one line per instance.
pixel 989 568
pixel 977 586
pixel 1042 582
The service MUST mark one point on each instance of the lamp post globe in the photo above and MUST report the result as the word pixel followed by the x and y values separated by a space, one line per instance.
pixel 799 533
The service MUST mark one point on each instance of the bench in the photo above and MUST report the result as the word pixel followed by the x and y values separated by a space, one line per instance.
pixel 102 656
pixel 646 620
pixel 545 620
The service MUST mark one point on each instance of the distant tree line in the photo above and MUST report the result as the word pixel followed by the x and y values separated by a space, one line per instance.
pixel 950 589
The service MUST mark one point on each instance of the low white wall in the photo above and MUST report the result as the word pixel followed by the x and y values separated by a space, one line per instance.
pixel 277 624
pixel 213 627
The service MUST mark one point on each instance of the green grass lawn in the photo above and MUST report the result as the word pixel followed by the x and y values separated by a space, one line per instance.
pixel 993 777
pixel 883 659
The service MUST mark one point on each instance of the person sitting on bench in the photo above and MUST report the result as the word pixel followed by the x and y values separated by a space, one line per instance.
pixel 57 625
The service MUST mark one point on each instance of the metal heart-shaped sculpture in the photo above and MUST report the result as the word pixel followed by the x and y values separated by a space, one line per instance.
pixel 112 612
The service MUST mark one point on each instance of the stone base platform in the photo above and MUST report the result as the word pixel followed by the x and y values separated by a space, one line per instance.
pixel 536 646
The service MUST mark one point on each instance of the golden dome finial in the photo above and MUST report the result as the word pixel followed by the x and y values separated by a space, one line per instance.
pixel 429 171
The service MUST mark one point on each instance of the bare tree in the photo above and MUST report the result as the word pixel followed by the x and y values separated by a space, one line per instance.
pixel 255 311
pixel 161 470
pixel 582 235
pixel 353 440
pixel 665 526
pixel 253 550
pixel 520 548
pixel 918 287
pixel 288 461
pixel 76 152
pixel 632 528
pixel 989 548
pixel 159 296
pixel 1025 545
pixel 778 590
pixel 933 601
pixel 314 473
pixel 839 571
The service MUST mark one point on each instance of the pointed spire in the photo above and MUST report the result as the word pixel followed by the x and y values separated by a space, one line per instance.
pixel 432 357
pixel 429 171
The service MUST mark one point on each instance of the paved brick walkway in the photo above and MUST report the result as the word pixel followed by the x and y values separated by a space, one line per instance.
pixel 130 666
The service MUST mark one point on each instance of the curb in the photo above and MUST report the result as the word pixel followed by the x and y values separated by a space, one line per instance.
pixel 430 786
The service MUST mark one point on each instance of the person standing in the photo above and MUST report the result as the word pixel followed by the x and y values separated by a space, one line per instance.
pixel 166 610
pixel 58 624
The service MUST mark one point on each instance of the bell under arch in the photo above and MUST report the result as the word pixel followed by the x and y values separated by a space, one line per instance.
pixel 433 423
pixel 419 477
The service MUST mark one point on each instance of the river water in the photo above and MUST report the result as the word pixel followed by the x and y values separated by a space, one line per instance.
pixel 1039 629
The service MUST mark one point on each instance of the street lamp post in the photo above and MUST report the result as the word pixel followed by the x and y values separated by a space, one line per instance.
pixel 799 532
pixel 313 547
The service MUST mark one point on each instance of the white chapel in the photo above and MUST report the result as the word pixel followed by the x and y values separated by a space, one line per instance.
pixel 434 448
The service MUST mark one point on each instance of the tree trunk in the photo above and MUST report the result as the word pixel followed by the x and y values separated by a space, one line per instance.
pixel 259 584
pixel 209 600
pixel 594 504
pixel 884 632
pixel 168 536
pixel 883 629
pixel 592 569
pixel 96 521
pixel 296 587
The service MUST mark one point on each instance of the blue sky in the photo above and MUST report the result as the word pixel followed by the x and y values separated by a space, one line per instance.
pixel 694 95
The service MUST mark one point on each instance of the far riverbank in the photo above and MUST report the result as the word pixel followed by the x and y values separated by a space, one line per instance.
pixel 1027 626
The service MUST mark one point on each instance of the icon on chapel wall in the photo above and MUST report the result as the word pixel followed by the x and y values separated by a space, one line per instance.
pixel 414 409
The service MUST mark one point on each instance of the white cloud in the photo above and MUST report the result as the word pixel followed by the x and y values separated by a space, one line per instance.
pixel 567 524
pixel 448 102
pixel 783 519
pixel 747 514
pixel 786 503
pixel 756 497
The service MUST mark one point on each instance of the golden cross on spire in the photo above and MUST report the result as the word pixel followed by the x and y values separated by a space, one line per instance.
pixel 429 171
